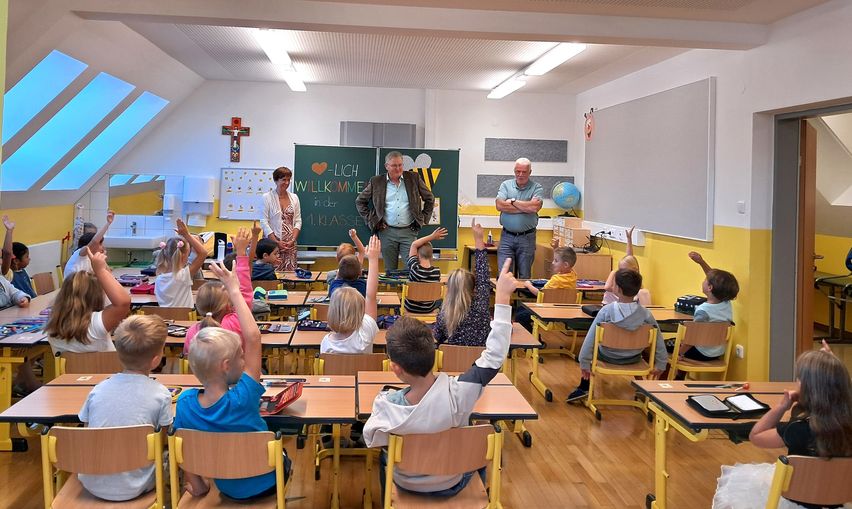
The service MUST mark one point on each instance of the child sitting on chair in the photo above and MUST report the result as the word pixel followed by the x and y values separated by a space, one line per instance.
pixel 420 269
pixel 348 274
pixel 230 400
pixel 346 249
pixel 435 402
pixel 268 258
pixel 130 398
pixel 562 266
pixel 629 261
pixel 627 314
pixel 720 287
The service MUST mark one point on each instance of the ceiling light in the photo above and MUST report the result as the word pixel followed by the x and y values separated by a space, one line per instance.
pixel 507 87
pixel 559 54
pixel 274 43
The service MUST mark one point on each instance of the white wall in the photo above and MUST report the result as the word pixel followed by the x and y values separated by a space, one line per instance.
pixel 805 61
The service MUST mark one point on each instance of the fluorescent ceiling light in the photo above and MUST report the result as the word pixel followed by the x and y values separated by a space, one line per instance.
pixel 507 87
pixel 274 43
pixel 559 54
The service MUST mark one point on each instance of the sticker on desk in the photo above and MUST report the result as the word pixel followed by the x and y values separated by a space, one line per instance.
pixel 85 378
pixel 665 386
pixel 324 379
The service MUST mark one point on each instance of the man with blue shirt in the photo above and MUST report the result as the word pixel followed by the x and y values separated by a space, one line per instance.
pixel 395 206
pixel 519 201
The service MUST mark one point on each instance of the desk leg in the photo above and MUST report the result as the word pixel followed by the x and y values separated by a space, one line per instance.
pixel 7 372
pixel 335 468
pixel 657 500
pixel 536 381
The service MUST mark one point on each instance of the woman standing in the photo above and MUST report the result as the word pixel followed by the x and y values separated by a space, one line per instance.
pixel 282 218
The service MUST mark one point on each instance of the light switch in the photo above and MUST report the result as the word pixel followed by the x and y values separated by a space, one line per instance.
pixel 741 207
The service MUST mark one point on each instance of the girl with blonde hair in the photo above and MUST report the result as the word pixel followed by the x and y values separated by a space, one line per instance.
pixel 627 262
pixel 464 318
pixel 213 301
pixel 78 320
pixel 173 285
pixel 351 318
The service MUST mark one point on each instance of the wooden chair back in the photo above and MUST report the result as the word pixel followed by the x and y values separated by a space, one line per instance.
pixel 458 358
pixel 613 336
pixel 169 313
pixel 423 291
pixel 347 363
pixel 198 283
pixel 223 455
pixel 89 363
pixel 450 452
pixel 811 480
pixel 558 295
pixel 43 282
pixel 266 284
pixel 706 333
pixel 319 312
pixel 83 450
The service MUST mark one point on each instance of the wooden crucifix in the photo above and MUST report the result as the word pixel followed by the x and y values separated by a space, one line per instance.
pixel 235 131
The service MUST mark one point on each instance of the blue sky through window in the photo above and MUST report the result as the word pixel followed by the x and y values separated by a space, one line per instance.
pixel 35 90
pixel 59 135
pixel 108 143
pixel 141 179
pixel 119 180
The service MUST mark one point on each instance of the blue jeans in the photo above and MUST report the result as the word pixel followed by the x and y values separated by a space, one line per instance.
pixel 395 242
pixel 449 492
pixel 520 248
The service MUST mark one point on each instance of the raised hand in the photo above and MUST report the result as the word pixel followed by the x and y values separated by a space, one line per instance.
pixel 825 348
pixel 241 241
pixel 696 257
pixel 181 229
pixel 477 229
pixel 506 283
pixel 439 233
pixel 256 230
pixel 8 223
pixel 352 233
pixel 227 277
pixel 374 249
pixel 110 217
pixel 99 260
pixel 629 231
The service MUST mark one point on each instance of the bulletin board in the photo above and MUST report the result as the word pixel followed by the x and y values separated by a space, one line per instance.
pixel 241 192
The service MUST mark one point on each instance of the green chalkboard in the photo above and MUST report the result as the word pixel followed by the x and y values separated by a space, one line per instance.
pixel 440 170
pixel 327 180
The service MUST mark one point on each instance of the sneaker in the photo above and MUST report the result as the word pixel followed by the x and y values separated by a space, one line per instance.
pixel 577 395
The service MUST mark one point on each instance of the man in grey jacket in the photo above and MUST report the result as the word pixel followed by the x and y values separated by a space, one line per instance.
pixel 395 206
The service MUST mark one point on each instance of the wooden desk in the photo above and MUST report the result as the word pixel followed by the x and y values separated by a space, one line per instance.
pixel 389 378
pixel 37 305
pixel 269 340
pixel 192 381
pixel 667 401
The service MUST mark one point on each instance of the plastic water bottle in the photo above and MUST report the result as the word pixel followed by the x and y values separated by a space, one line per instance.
pixel 220 250
pixel 490 238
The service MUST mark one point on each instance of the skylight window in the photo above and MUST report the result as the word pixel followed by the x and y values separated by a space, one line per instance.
pixel 35 90
pixel 141 179
pixel 62 132
pixel 119 180
pixel 108 143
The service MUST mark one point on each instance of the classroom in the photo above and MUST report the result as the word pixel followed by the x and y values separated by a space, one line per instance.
pixel 721 131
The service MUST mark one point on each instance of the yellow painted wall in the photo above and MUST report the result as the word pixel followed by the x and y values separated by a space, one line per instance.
pixel 41 224
pixel 146 203
pixel 834 250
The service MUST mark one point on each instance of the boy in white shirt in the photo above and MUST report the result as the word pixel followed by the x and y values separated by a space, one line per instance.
pixel 78 261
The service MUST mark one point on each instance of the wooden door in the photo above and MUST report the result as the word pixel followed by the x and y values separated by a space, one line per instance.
pixel 806 233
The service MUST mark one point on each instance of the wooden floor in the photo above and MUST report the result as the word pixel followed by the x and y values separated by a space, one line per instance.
pixel 575 461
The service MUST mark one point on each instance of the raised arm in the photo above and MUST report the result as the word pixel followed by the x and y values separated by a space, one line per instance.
pixel 250 332
pixel 629 233
pixel 438 234
pixel 118 296
pixel 241 241
pixel 362 251
pixel 195 244
pixel 7 245
pixel 478 234
pixel 256 231
pixel 374 251
pixel 764 433
pixel 697 258
pixel 99 236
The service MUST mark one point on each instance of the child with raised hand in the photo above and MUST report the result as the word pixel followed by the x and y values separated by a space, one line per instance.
pixel 820 425
pixel 213 301
pixel 464 318
pixel 627 262
pixel 230 400
pixel 435 402
pixel 78 320
pixel 173 285
pixel 139 341
pixel 562 267
pixel 346 249
pixel 351 317
pixel 720 287
pixel 94 241
pixel 420 268
pixel 16 257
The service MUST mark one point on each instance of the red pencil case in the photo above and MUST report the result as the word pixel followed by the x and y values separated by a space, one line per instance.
pixel 143 289
pixel 271 405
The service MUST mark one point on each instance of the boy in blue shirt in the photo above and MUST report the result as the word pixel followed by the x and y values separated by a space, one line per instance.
pixel 268 258
pixel 720 287
pixel 349 274
pixel 219 362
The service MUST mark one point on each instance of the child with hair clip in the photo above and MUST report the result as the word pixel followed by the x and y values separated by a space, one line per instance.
pixel 351 317
pixel 94 241
pixel 78 320
pixel 346 249
pixel 628 262
pixel 230 399
pixel 820 425
pixel 464 318
pixel 173 285
pixel 212 300
pixel 16 257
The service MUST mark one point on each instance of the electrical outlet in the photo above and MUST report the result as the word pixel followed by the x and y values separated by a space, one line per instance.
pixel 740 349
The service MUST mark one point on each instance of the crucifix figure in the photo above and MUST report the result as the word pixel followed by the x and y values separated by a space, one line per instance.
pixel 235 131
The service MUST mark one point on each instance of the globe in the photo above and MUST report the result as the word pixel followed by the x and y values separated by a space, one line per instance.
pixel 566 195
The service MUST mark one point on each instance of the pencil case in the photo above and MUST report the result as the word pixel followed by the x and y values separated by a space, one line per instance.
pixel 271 405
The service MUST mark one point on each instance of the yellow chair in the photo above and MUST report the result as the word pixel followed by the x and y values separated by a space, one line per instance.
pixel 88 363
pixel 702 334
pixel 545 332
pixel 166 313
pixel 811 480
pixel 43 282
pixel 613 336
pixel 424 292
pixel 347 363
pixel 451 452
pixel 212 456
pixel 457 358
pixel 198 283
pixel 98 451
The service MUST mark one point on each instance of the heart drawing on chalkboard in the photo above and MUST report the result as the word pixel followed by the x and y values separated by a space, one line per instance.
pixel 319 168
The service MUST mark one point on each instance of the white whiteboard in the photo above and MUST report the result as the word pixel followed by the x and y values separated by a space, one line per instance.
pixel 241 192
pixel 651 163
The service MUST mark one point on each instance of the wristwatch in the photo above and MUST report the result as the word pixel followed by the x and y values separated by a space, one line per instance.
pixel 512 201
